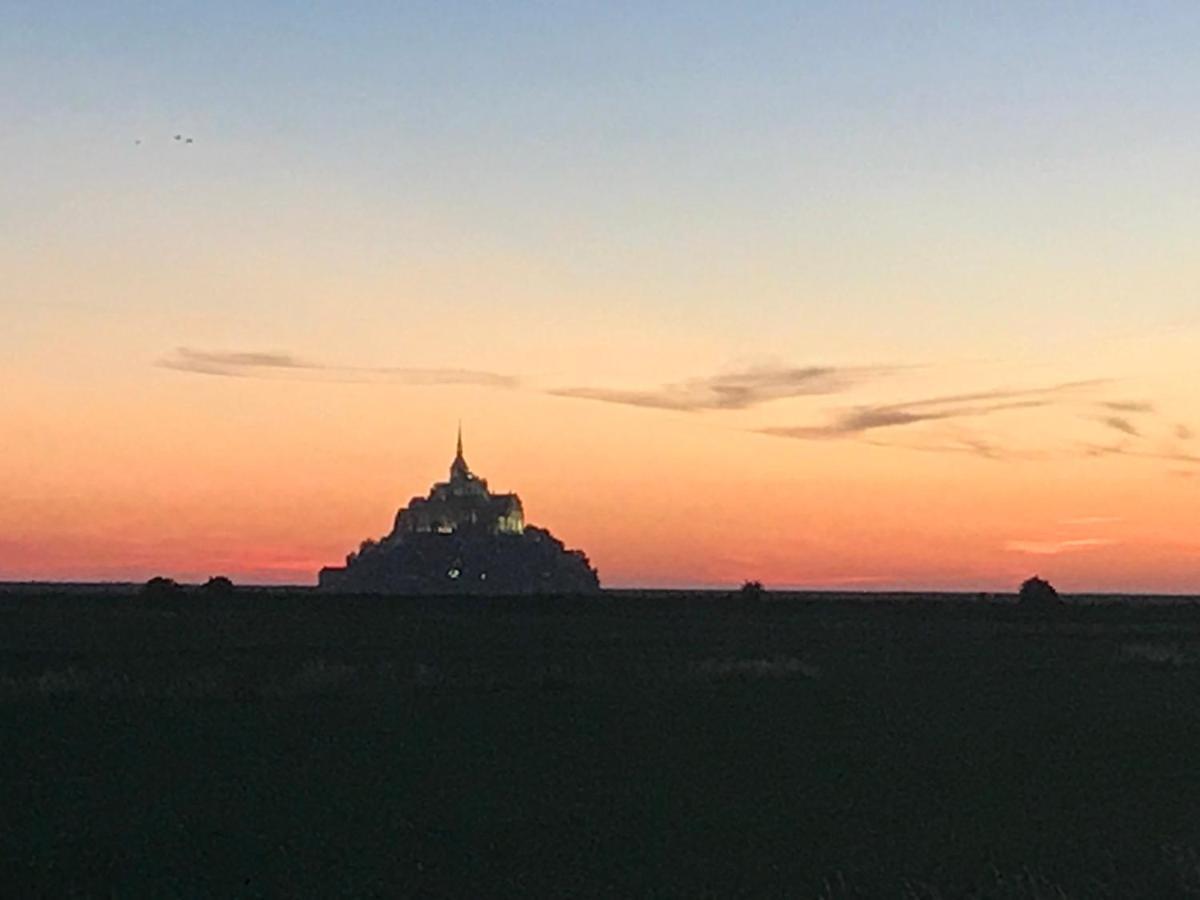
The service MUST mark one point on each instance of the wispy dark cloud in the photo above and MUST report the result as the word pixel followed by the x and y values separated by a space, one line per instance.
pixel 971 446
pixel 1121 424
pixel 734 390
pixel 257 364
pixel 859 420
pixel 1139 451
pixel 1128 406
pixel 233 364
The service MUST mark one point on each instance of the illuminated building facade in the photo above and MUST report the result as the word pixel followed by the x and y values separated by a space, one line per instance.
pixel 463 539
pixel 462 502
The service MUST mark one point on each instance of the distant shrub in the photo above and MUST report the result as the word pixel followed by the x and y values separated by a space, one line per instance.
pixel 218 586
pixel 1037 593
pixel 752 590
pixel 160 589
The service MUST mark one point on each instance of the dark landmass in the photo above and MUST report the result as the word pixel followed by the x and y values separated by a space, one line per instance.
pixel 275 742
pixel 466 562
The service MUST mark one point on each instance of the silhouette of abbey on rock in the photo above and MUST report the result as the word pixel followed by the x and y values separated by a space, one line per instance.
pixel 463 539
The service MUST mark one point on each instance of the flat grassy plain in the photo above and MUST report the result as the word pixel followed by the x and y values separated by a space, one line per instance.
pixel 280 743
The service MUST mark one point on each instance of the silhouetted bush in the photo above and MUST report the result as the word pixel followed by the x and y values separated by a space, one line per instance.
pixel 1037 593
pixel 218 586
pixel 752 591
pixel 160 589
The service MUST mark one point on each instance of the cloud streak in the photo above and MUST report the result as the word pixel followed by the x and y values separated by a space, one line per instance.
pixel 257 364
pixel 1091 520
pixel 1054 548
pixel 733 390
pixel 1128 406
pixel 1096 450
pixel 1121 424
pixel 972 446
pixel 859 420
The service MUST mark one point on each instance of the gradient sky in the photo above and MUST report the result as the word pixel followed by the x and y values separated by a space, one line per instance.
pixel 823 294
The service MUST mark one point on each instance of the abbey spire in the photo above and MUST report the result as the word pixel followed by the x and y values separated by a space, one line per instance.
pixel 459 471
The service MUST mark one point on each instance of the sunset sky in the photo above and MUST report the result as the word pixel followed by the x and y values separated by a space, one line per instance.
pixel 864 295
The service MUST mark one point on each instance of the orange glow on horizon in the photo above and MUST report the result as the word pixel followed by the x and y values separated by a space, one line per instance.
pixel 655 500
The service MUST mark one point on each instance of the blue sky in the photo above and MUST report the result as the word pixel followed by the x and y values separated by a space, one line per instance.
pixel 621 139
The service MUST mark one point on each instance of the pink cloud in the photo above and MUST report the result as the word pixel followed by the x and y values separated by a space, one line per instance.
pixel 1053 548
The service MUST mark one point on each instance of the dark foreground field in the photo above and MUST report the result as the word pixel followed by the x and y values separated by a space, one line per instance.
pixel 282 745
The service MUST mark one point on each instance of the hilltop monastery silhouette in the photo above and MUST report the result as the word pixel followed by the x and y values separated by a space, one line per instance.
pixel 463 539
